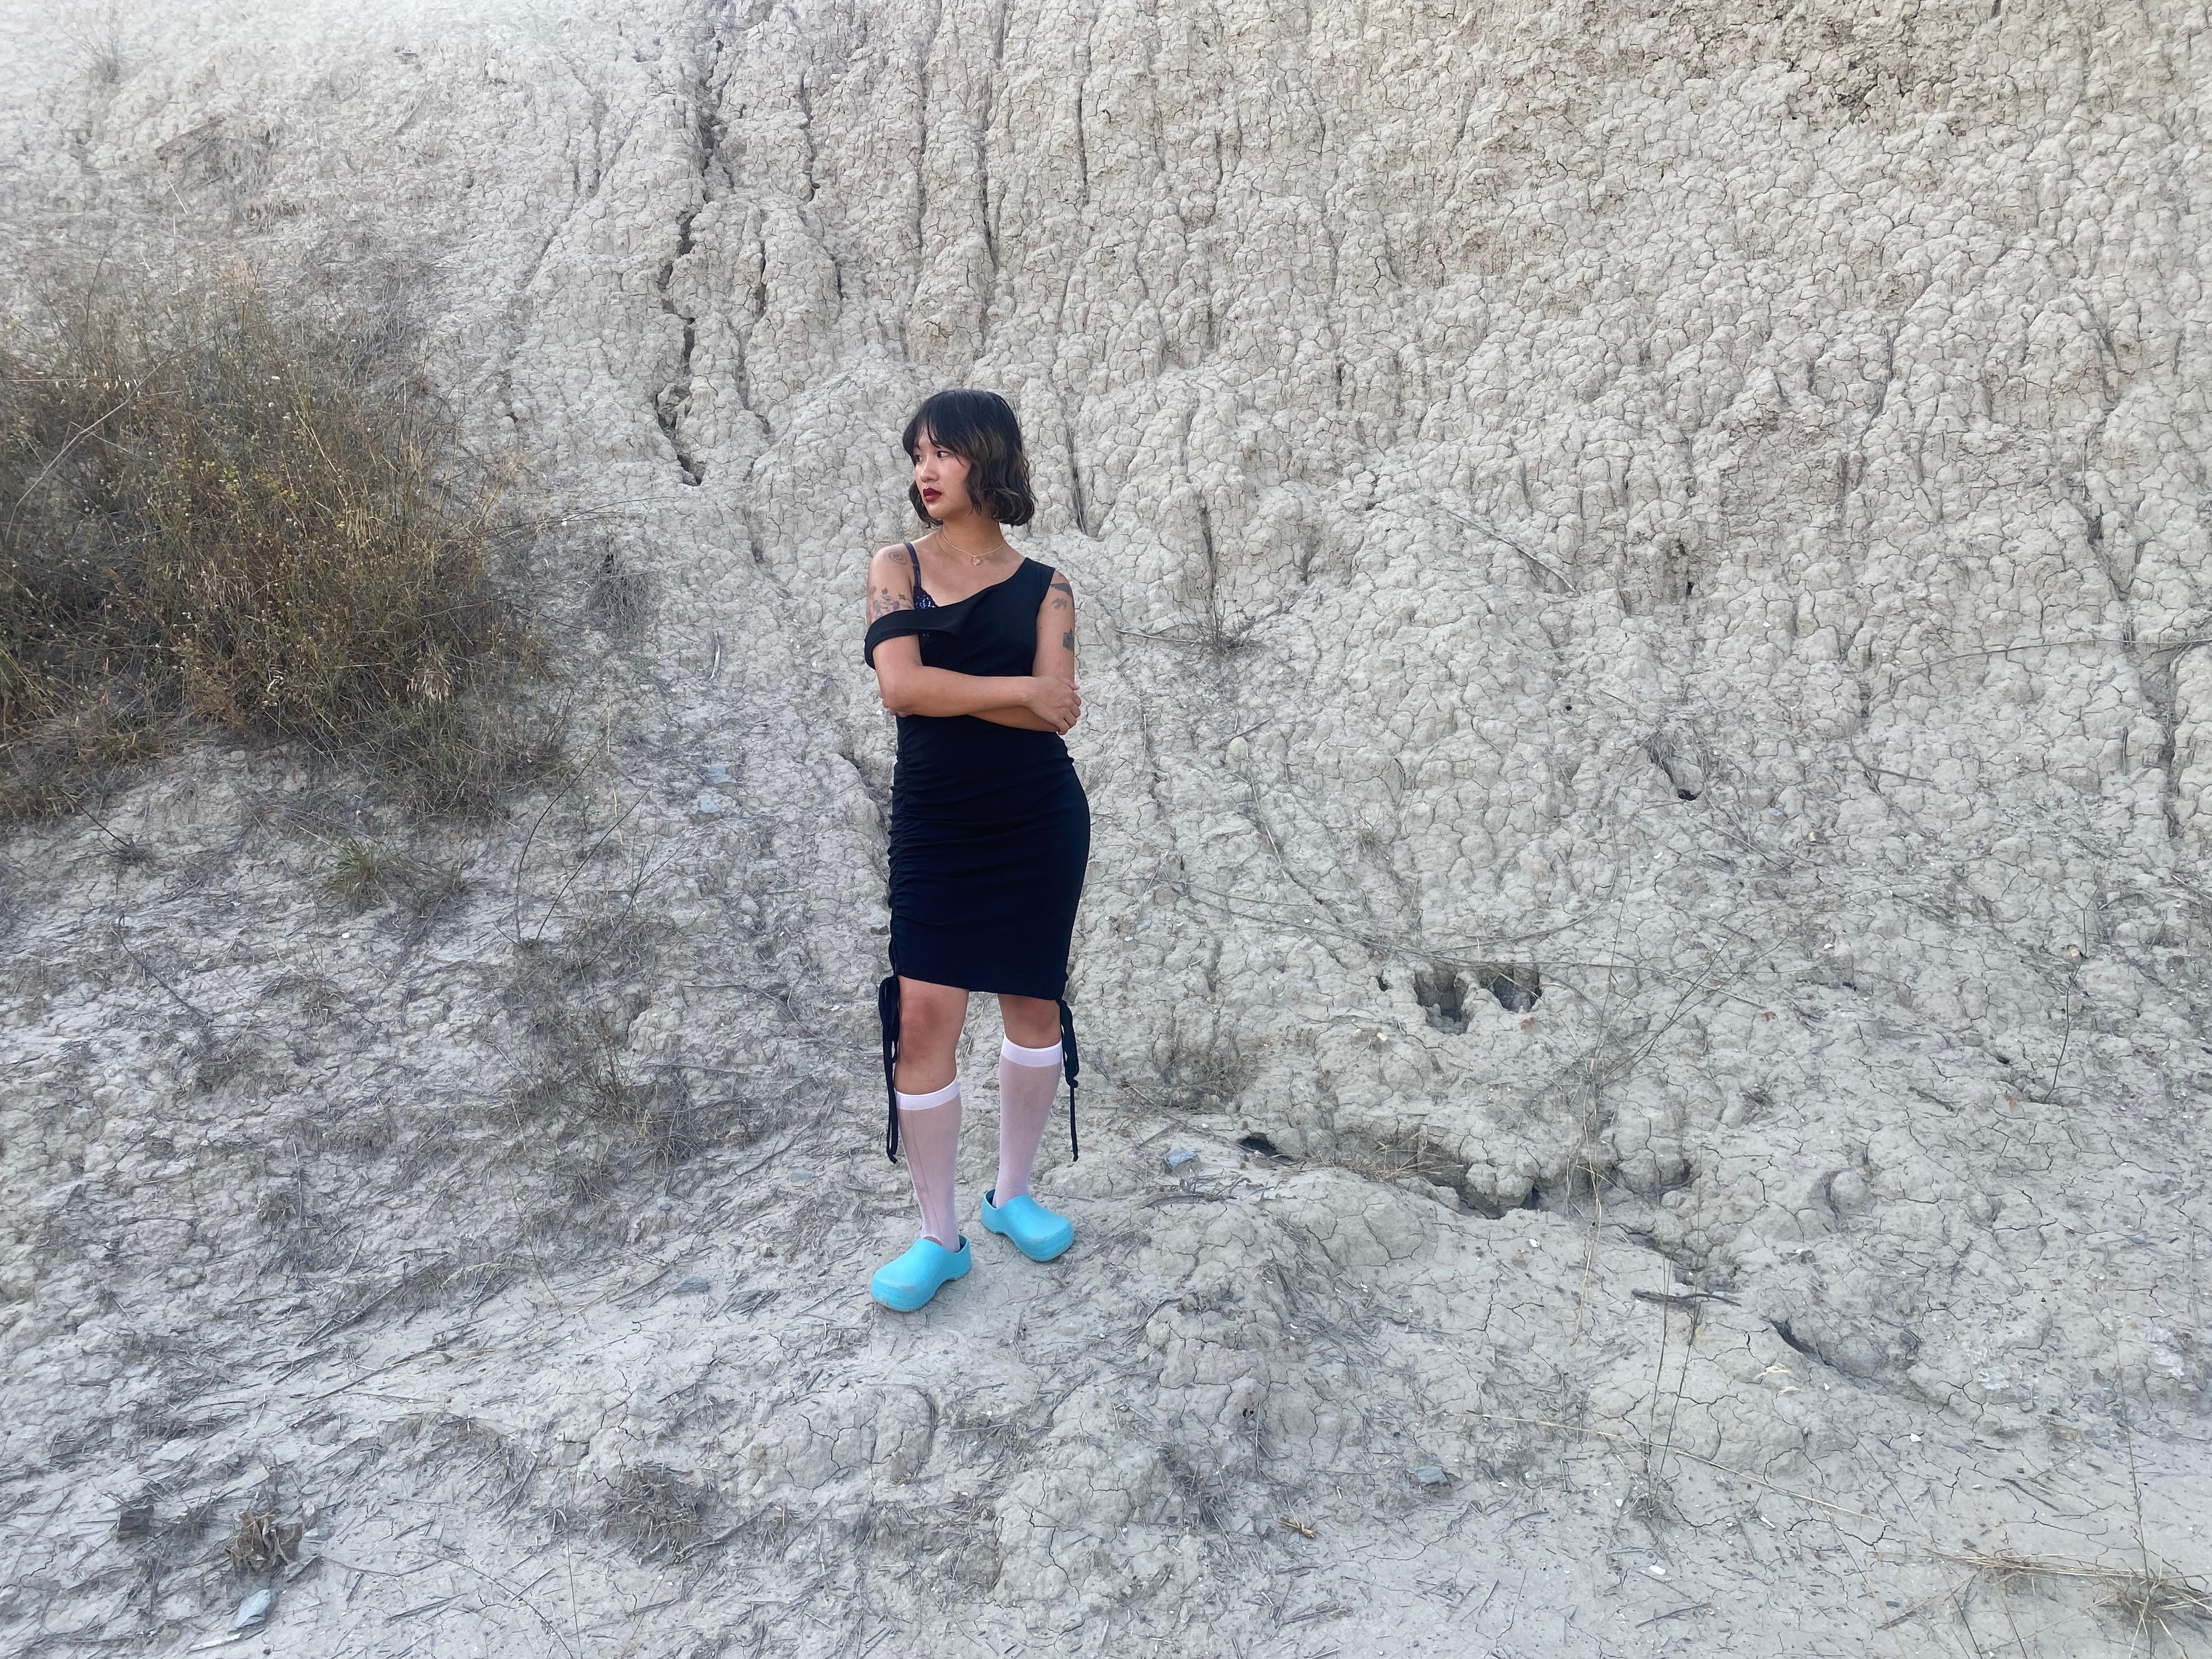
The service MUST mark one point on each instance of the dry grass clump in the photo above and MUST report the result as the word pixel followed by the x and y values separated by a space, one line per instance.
pixel 498 1467
pixel 656 1509
pixel 365 872
pixel 262 1542
pixel 1194 1072
pixel 592 1101
pixel 211 508
pixel 360 874
pixel 1409 1150
pixel 2153 1596
pixel 147 1519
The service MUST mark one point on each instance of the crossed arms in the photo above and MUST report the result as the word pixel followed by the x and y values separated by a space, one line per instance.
pixel 1043 700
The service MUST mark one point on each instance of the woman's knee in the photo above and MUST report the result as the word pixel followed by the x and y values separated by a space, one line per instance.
pixel 1031 1022
pixel 930 1016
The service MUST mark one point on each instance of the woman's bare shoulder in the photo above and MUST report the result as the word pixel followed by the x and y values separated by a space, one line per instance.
pixel 890 561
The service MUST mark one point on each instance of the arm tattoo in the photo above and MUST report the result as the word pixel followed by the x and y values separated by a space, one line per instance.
pixel 882 601
pixel 1062 597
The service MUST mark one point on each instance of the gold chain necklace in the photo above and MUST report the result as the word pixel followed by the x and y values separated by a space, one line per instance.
pixel 977 559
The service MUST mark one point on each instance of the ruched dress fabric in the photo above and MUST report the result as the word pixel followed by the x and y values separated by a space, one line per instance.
pixel 990 828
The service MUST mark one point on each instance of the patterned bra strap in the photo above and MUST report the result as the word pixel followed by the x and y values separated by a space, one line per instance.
pixel 922 599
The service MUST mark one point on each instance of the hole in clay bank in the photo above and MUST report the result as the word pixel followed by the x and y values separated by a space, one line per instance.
pixel 1251 1143
pixel 1684 776
pixel 1518 986
pixel 1442 996
pixel 1782 1329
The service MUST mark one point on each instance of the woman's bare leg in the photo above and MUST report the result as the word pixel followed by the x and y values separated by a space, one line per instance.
pixel 1033 1022
pixel 930 1018
pixel 1029 1080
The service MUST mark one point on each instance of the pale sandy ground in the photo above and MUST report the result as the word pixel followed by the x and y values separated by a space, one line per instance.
pixel 1714 512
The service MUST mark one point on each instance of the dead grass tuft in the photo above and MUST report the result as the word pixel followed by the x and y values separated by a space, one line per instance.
pixel 2161 1599
pixel 263 1542
pixel 148 1523
pixel 499 1467
pixel 1200 1496
pixel 1194 1073
pixel 589 1087
pixel 1408 1150
pixel 620 600
pixel 360 876
pixel 2153 1594
pixel 656 1509
pixel 211 509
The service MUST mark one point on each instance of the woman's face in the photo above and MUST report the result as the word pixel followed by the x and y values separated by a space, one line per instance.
pixel 942 478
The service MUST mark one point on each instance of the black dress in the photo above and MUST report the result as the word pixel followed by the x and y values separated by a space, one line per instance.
pixel 990 829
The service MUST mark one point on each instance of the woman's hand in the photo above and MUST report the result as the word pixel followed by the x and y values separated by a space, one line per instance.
pixel 1056 703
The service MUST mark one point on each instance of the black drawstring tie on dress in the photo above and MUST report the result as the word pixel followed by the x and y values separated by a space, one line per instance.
pixel 887 1015
pixel 1069 1065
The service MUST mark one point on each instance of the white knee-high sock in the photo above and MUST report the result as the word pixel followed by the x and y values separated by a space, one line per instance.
pixel 929 1128
pixel 1029 1080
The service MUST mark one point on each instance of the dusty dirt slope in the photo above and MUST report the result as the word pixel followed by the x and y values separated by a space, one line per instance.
pixel 1644 575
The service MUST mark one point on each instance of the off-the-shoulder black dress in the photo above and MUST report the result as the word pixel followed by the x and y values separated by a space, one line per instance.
pixel 990 828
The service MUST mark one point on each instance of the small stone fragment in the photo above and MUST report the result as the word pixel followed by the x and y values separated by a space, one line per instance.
pixel 253 1609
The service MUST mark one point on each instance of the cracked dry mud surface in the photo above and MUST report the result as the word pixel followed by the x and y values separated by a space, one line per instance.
pixel 1644 575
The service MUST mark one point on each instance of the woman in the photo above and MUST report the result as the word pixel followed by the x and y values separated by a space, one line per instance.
pixel 974 649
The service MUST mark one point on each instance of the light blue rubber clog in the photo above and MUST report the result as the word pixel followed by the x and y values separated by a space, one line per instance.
pixel 1038 1232
pixel 916 1277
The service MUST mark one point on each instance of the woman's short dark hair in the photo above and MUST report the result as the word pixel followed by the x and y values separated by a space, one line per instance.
pixel 980 428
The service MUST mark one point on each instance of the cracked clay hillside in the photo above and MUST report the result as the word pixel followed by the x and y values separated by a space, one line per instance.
pixel 1644 585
